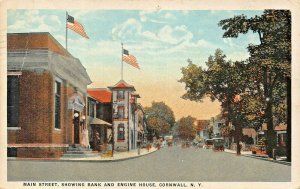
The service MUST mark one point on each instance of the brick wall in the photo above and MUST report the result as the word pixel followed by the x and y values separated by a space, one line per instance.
pixel 36 118
pixel 34 41
pixel 68 91
pixel 12 136
pixel 36 107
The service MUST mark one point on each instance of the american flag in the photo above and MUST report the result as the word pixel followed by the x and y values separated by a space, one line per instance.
pixel 76 26
pixel 130 59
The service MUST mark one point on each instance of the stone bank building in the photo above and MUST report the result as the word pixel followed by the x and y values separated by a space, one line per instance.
pixel 46 96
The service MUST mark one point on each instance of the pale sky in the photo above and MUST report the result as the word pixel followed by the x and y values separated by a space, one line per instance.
pixel 161 41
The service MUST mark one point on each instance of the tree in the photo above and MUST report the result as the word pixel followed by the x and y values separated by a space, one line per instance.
pixel 223 81
pixel 225 131
pixel 160 118
pixel 186 127
pixel 272 56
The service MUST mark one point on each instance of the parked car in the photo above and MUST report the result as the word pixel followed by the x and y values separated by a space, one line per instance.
pixel 200 145
pixel 195 143
pixel 218 144
pixel 169 140
pixel 208 144
pixel 185 144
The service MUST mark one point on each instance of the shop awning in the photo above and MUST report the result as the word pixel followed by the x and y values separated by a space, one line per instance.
pixel 96 121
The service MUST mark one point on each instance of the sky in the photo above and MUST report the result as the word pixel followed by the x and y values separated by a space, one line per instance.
pixel 161 40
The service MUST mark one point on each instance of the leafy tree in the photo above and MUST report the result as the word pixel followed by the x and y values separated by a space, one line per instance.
pixel 223 81
pixel 159 125
pixel 186 127
pixel 272 57
pixel 160 118
pixel 225 131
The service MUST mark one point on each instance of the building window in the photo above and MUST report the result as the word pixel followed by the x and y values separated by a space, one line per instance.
pixel 91 107
pixel 57 104
pixel 120 95
pixel 121 132
pixel 13 98
pixel 121 112
pixel 281 139
pixel 99 111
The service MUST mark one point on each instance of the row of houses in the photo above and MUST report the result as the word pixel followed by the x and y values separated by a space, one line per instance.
pixel 212 128
pixel 50 108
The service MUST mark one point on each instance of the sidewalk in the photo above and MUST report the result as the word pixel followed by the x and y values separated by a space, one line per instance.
pixel 249 154
pixel 118 156
pixel 234 152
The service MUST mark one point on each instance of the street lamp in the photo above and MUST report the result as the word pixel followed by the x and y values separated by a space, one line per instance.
pixel 82 120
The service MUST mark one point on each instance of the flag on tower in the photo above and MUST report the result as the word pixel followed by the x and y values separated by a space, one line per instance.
pixel 76 26
pixel 130 59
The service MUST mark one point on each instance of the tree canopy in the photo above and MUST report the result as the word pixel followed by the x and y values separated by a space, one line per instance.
pixel 271 60
pixel 160 117
pixel 186 127
pixel 252 91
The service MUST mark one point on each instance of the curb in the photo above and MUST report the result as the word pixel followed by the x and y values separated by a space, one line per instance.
pixel 77 160
pixel 264 159
pixel 270 160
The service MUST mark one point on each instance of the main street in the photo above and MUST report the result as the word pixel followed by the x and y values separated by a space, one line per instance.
pixel 166 164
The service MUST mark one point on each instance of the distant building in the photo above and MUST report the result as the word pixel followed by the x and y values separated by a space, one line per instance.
pixel 281 134
pixel 99 119
pixel 217 122
pixel 46 96
pixel 202 127
pixel 141 124
pixel 280 130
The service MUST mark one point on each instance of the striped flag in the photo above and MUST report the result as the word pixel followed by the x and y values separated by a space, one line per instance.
pixel 76 26
pixel 130 59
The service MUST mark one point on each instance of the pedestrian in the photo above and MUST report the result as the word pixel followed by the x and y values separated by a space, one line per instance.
pixel 97 141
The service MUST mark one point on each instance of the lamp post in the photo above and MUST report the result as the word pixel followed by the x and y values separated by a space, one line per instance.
pixel 83 121
pixel 76 128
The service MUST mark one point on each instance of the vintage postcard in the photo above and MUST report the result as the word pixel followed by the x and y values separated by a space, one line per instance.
pixel 149 94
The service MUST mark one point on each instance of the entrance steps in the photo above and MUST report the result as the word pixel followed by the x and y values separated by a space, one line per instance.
pixel 78 151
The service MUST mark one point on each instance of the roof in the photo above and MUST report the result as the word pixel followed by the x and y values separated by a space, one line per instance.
pixel 250 132
pixel 202 124
pixel 281 127
pixel 96 121
pixel 122 85
pixel 101 95
pixel 43 51
pixel 35 40
pixel 136 95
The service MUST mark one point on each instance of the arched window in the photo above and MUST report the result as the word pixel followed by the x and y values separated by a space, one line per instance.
pixel 121 132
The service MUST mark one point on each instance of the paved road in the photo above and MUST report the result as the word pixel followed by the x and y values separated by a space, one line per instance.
pixel 167 164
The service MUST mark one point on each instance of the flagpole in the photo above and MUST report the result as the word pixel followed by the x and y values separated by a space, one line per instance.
pixel 66 30
pixel 122 62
